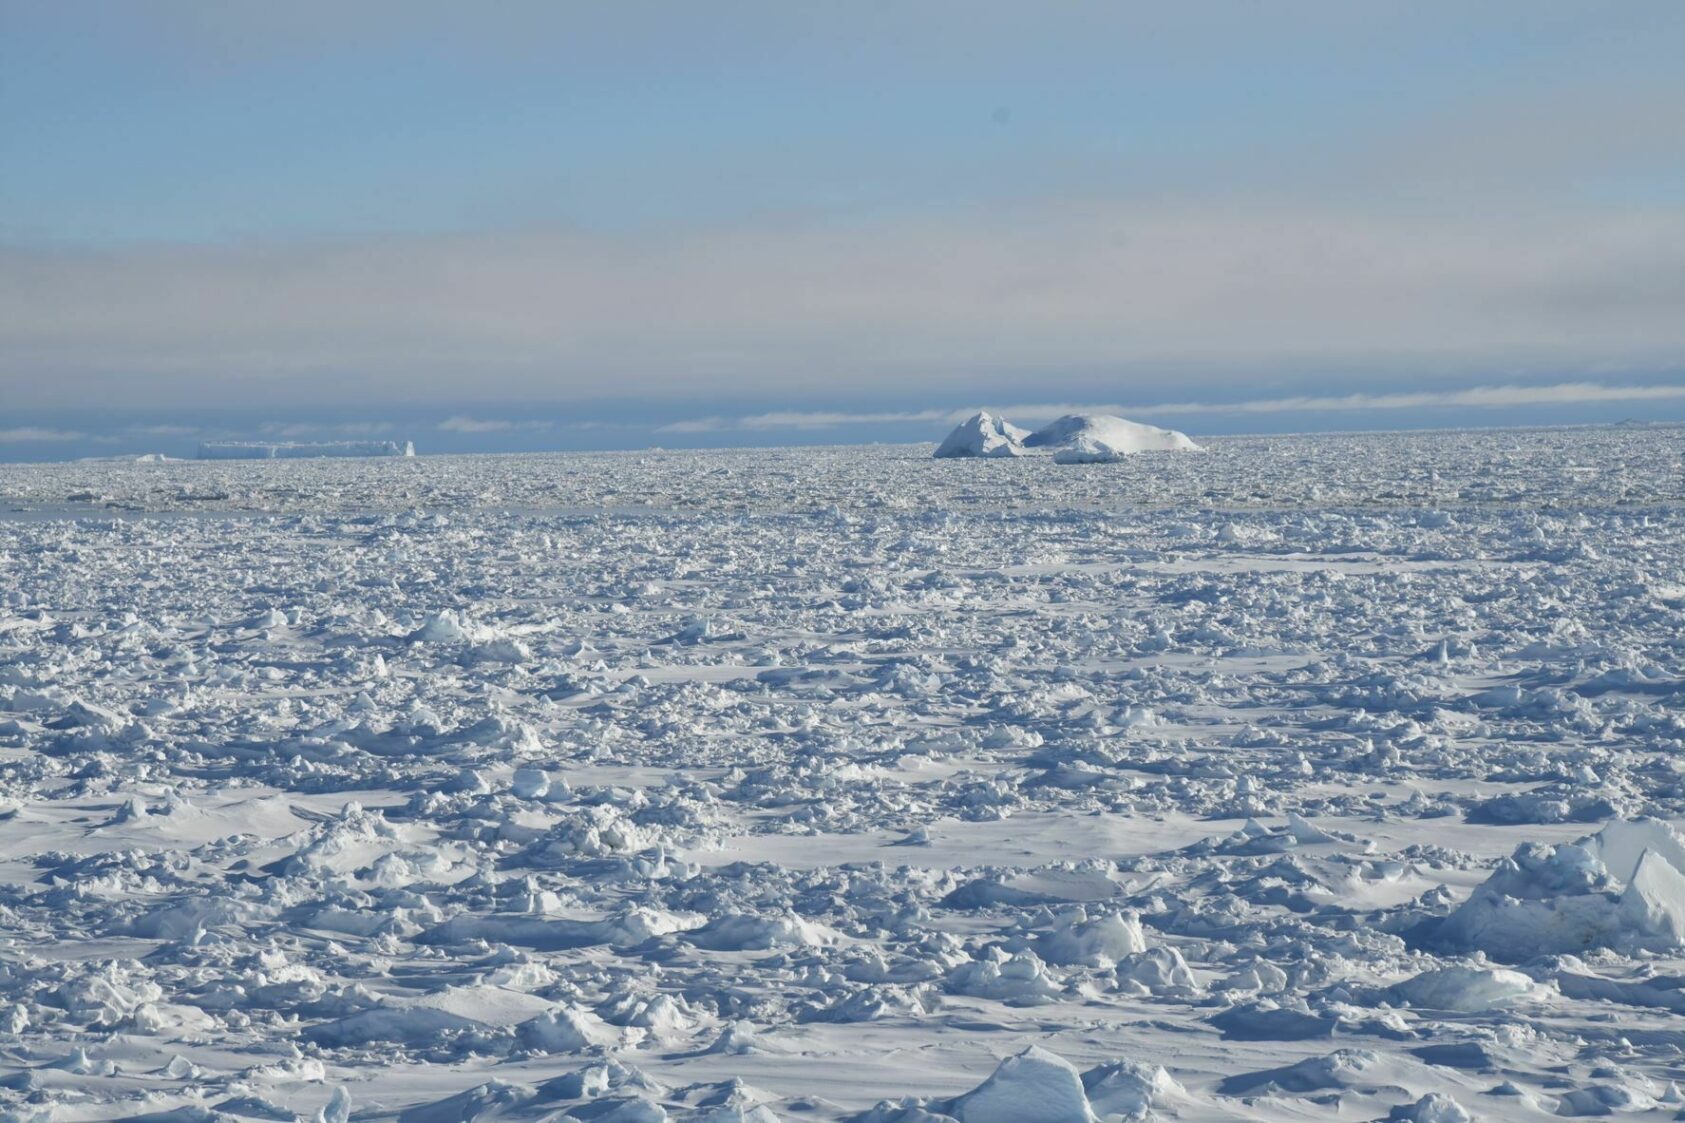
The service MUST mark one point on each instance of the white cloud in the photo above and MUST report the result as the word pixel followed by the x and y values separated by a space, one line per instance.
pixel 164 430
pixel 347 429
pixel 491 425
pixel 22 434
pixel 820 419
pixel 1073 296
pixel 700 425
pixel 1479 397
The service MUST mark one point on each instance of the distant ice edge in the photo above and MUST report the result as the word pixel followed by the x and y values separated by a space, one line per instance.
pixel 301 450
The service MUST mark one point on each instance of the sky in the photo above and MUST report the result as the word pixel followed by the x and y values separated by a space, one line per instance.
pixel 531 225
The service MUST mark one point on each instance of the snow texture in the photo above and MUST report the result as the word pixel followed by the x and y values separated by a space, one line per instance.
pixel 1312 778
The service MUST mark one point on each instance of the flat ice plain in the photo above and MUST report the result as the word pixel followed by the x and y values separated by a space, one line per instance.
pixel 849 784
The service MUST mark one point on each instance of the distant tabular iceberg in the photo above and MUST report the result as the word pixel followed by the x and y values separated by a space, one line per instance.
pixel 1078 438
pixel 297 450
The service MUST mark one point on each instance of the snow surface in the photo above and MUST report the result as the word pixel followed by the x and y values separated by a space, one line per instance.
pixel 1310 778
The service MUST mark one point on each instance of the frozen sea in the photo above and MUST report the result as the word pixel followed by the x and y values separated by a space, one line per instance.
pixel 1322 778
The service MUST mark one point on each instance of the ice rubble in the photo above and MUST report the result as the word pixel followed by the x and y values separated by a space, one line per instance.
pixel 1619 888
pixel 1206 788
pixel 1073 439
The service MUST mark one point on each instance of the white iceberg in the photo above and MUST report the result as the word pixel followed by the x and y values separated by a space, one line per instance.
pixel 1078 438
pixel 983 434
pixel 301 450
pixel 1099 431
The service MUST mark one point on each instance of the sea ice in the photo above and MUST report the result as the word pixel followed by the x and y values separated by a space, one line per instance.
pixel 1322 777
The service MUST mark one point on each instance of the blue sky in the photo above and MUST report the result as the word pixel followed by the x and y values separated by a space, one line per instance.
pixel 544 225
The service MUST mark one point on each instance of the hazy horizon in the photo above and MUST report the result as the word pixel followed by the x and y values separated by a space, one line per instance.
pixel 460 434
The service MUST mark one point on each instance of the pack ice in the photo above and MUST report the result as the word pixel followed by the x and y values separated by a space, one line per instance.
pixel 1307 778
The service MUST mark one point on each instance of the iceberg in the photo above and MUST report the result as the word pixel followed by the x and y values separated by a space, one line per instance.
pixel 1103 431
pixel 1078 438
pixel 983 434
pixel 299 450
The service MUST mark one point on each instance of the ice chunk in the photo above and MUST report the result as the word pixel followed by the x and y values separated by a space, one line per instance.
pixel 734 1113
pixel 493 1098
pixel 1160 970
pixel 634 1111
pixel 1570 897
pixel 1654 901
pixel 1465 989
pixel 1092 943
pixel 1435 1107
pixel 664 1017
pixel 737 1039
pixel 530 783
pixel 399 1025
pixel 1124 1089
pixel 1604 1099
pixel 1020 978
pixel 743 932
pixel 564 1030
pixel 1343 1068
pixel 450 626
pixel 338 1107
pixel 1034 1084
pixel 1623 842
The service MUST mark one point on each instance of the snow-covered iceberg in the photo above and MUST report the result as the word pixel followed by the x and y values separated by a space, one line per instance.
pixel 1103 431
pixel 983 434
pixel 1078 438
